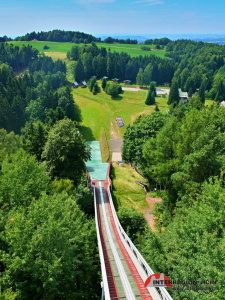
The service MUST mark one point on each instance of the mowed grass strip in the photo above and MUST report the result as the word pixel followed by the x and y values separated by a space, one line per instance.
pixel 57 47
pixel 127 193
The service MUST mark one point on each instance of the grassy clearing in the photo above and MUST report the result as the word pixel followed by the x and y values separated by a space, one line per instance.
pixel 104 146
pixel 132 50
pixel 56 48
pixel 56 55
pixel 53 46
pixel 126 193
pixel 100 111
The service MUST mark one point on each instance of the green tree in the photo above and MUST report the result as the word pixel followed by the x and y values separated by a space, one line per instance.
pixel 65 151
pixel 147 75
pixel 150 98
pixel 138 133
pixel 51 251
pixel 79 74
pixel 35 110
pixel 132 221
pixel 74 53
pixel 113 89
pixel 157 108
pixel 104 83
pixel 140 77
pixel 95 89
pixel 174 94
pixel 91 83
pixel 110 66
pixel 67 103
pixel 34 138
pixel 22 180
pixel 9 143
pixel 5 114
pixel 201 91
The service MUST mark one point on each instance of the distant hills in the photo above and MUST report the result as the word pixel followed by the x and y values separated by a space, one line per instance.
pixel 69 36
pixel 207 38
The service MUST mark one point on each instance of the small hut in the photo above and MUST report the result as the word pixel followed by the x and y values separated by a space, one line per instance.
pixel 83 84
pixel 115 80
pixel 75 84
pixel 127 82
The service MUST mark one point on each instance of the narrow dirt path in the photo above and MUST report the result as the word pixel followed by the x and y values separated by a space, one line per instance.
pixel 147 211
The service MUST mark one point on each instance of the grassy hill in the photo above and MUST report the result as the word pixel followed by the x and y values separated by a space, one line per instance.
pixel 100 111
pixel 59 50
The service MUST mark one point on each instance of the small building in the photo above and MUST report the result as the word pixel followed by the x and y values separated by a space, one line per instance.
pixel 83 84
pixel 127 82
pixel 183 96
pixel 222 103
pixel 115 80
pixel 166 84
pixel 75 84
pixel 105 77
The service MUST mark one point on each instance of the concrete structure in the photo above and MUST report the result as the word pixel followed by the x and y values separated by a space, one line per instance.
pixel 124 271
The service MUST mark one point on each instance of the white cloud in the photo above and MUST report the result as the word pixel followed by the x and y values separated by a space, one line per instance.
pixel 149 2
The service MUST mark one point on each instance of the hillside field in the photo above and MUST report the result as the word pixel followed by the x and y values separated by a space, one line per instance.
pixel 59 50
pixel 100 111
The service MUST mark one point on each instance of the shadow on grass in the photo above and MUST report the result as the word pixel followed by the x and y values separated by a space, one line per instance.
pixel 114 198
pixel 118 98
pixel 87 133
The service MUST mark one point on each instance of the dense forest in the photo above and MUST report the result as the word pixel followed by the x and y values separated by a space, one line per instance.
pixel 47 232
pixel 94 61
pixel 182 153
pixel 57 35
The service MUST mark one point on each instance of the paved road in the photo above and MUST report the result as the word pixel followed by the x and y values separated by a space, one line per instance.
pixel 159 91
pixel 162 91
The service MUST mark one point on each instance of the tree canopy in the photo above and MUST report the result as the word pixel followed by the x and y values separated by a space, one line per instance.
pixel 65 151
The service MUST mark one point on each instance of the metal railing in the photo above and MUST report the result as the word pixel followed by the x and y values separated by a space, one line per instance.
pixel 123 277
pixel 161 290
pixel 105 286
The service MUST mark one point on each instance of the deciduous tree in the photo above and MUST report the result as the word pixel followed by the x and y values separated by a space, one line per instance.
pixel 65 151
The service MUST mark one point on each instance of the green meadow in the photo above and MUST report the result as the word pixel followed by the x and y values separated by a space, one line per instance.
pixel 59 50
pixel 132 49
pixel 100 111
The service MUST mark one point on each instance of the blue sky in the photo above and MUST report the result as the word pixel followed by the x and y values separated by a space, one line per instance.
pixel 112 16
